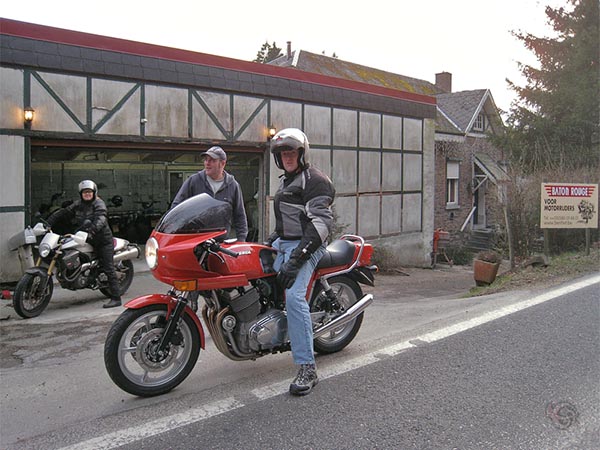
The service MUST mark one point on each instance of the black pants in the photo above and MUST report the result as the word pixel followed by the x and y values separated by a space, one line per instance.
pixel 105 252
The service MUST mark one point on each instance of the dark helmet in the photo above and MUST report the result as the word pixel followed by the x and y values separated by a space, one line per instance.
pixel 290 139
pixel 116 200
pixel 87 184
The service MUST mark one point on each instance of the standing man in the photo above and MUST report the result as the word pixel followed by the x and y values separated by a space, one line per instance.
pixel 219 184
pixel 303 221
pixel 89 215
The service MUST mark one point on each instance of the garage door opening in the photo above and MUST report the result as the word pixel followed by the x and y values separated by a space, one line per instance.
pixel 137 186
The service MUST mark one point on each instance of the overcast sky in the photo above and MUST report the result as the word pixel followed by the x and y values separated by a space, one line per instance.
pixel 469 38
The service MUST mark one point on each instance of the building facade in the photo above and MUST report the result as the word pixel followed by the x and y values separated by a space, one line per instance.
pixel 135 117
pixel 470 174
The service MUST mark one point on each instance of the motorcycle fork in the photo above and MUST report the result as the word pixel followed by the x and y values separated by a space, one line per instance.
pixel 171 325
pixel 44 284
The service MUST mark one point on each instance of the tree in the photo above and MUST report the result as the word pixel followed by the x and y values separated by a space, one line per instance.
pixel 268 52
pixel 555 120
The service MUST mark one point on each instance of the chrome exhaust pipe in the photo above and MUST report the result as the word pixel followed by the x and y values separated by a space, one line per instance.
pixel 130 253
pixel 348 316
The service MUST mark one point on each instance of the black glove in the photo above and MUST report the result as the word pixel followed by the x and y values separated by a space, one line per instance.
pixel 272 237
pixel 289 271
pixel 86 225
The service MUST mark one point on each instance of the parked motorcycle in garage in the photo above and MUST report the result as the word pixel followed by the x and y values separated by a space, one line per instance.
pixel 72 260
pixel 154 345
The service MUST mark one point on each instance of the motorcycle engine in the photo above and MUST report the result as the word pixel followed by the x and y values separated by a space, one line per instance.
pixel 256 331
pixel 72 277
pixel 266 333
pixel 71 261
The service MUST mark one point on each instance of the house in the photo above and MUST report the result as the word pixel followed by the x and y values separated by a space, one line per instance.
pixel 469 172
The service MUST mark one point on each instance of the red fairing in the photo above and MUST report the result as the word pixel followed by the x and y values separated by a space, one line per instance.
pixel 176 261
pixel 154 299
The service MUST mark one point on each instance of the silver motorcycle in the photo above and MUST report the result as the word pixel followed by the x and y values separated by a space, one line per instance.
pixel 71 260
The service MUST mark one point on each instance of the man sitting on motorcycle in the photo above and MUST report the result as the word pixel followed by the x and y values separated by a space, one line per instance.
pixel 90 215
pixel 303 222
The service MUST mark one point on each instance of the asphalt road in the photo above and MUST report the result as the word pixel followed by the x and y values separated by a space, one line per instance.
pixel 414 374
pixel 525 381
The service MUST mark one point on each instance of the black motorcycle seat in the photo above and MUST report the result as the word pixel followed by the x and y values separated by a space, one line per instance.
pixel 340 252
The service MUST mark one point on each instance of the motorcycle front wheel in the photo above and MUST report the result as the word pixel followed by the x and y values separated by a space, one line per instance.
pixel 347 293
pixel 131 357
pixel 30 298
pixel 124 271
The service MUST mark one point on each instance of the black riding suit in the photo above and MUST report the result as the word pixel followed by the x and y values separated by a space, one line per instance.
pixel 91 217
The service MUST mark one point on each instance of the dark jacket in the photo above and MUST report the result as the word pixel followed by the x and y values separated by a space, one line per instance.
pixel 303 208
pixel 86 216
pixel 230 192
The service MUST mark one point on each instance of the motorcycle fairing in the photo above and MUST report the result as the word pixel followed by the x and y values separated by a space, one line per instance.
pixel 156 299
pixel 176 261
pixel 119 244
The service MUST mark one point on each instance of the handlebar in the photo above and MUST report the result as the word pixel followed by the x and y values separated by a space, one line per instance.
pixel 214 246
pixel 229 252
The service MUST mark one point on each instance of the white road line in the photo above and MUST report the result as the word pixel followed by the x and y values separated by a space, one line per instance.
pixel 165 424
pixel 493 315
pixel 162 425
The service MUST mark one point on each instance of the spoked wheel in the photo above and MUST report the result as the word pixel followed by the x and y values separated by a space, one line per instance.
pixel 124 270
pixel 347 293
pixel 31 298
pixel 131 351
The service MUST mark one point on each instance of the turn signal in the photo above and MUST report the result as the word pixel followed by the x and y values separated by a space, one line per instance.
pixel 186 285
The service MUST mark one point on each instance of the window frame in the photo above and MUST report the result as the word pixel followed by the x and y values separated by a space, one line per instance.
pixel 480 122
pixel 452 184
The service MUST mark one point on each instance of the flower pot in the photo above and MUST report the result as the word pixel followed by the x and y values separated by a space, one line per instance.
pixel 484 272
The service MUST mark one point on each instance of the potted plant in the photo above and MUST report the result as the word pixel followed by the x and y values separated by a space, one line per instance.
pixel 485 267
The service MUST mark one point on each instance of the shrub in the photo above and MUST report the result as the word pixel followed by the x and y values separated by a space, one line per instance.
pixel 460 255
pixel 384 259
pixel 489 256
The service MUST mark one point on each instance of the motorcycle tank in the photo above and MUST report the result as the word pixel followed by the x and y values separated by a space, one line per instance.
pixel 197 214
pixel 254 261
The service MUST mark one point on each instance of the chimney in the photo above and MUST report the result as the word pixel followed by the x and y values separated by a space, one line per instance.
pixel 289 49
pixel 443 81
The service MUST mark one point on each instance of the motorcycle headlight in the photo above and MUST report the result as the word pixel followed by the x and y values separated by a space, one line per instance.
pixel 151 253
pixel 44 250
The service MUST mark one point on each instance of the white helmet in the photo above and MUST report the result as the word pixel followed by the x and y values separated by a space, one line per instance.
pixel 88 184
pixel 290 139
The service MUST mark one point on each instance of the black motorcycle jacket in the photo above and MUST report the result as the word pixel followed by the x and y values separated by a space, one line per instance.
pixel 303 209
pixel 86 216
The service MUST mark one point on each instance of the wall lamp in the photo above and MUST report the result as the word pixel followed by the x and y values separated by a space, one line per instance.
pixel 28 113
pixel 271 132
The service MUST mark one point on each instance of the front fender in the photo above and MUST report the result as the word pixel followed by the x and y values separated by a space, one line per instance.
pixel 164 299
pixel 38 270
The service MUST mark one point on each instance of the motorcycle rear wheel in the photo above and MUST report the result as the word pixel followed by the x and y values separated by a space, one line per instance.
pixel 347 292
pixel 27 302
pixel 125 267
pixel 129 354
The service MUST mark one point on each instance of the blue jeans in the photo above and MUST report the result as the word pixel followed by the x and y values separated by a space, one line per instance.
pixel 298 311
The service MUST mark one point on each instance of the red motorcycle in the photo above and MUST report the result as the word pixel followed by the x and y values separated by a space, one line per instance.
pixel 154 344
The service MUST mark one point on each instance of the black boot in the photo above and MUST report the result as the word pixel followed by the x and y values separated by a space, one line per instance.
pixel 112 303
pixel 305 380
